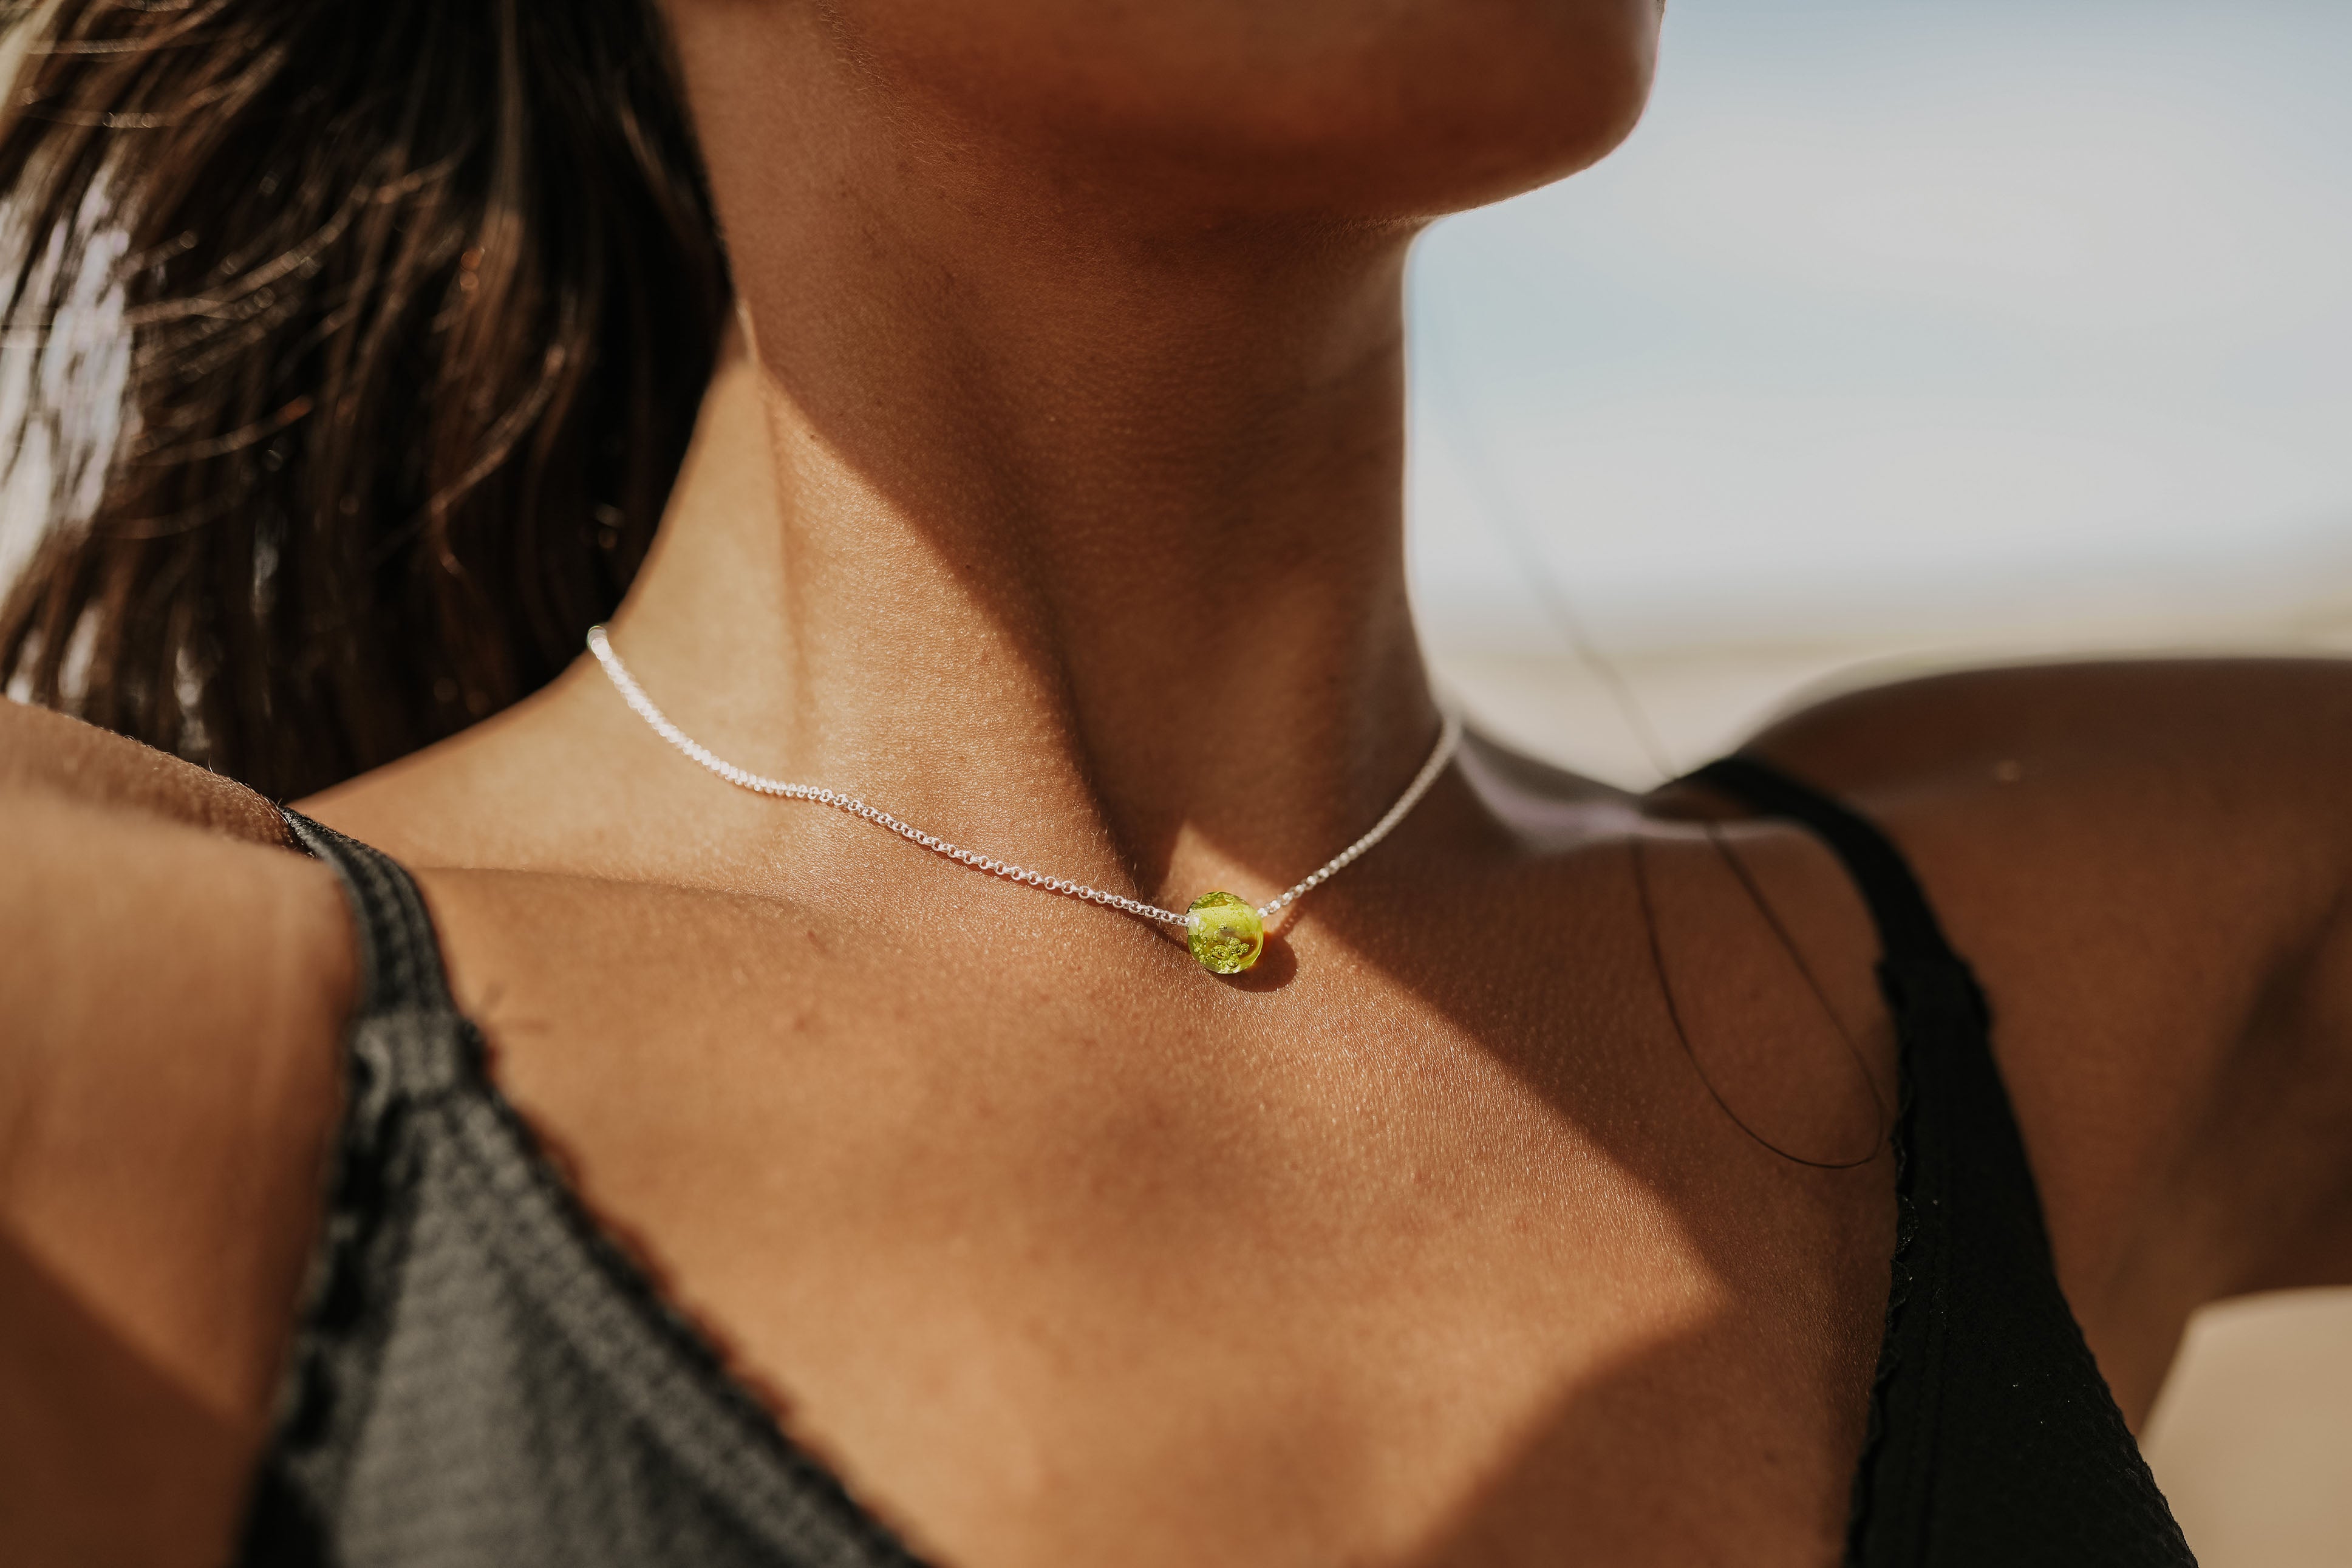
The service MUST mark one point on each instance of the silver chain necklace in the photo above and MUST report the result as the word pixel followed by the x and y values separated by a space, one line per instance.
pixel 1224 931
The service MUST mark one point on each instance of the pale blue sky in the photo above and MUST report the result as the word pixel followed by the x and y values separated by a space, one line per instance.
pixel 1906 305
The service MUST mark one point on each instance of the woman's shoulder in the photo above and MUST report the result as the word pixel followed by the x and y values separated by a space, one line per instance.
pixel 2156 726
pixel 2146 861
pixel 2156 826
pixel 153 906
pixel 2153 840
pixel 173 980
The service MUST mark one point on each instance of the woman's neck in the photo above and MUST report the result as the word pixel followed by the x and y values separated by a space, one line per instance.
pixel 1074 530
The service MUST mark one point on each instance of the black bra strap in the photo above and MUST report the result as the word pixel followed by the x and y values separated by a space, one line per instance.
pixel 1908 928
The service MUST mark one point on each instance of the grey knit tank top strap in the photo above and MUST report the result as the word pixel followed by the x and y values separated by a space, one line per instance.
pixel 481 1377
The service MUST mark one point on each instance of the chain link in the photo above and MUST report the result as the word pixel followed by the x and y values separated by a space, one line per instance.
pixel 643 706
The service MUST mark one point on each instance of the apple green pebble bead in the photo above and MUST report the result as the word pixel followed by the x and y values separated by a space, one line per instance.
pixel 1226 934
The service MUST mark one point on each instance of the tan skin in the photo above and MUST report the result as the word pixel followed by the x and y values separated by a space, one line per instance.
pixel 1057 507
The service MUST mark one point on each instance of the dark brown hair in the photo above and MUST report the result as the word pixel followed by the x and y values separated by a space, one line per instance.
pixel 420 296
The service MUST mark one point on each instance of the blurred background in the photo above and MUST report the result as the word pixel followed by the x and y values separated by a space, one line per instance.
pixel 1904 335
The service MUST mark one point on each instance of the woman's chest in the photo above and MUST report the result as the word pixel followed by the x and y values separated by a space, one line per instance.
pixel 1053 1276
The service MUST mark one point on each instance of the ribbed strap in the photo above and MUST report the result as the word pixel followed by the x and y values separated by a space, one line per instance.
pixel 400 958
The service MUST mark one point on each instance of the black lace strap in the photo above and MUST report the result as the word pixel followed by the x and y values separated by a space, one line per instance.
pixel 1992 1437
pixel 1908 928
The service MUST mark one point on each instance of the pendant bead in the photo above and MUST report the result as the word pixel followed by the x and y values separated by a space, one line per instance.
pixel 1224 933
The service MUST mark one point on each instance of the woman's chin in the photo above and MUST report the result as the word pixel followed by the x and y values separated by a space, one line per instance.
pixel 1335 106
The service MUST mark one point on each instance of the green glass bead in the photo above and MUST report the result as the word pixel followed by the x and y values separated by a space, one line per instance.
pixel 1226 934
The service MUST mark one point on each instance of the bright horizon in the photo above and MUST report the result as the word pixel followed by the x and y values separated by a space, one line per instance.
pixel 1909 313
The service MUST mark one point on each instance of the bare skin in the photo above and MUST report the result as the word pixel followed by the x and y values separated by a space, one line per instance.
pixel 1057 507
